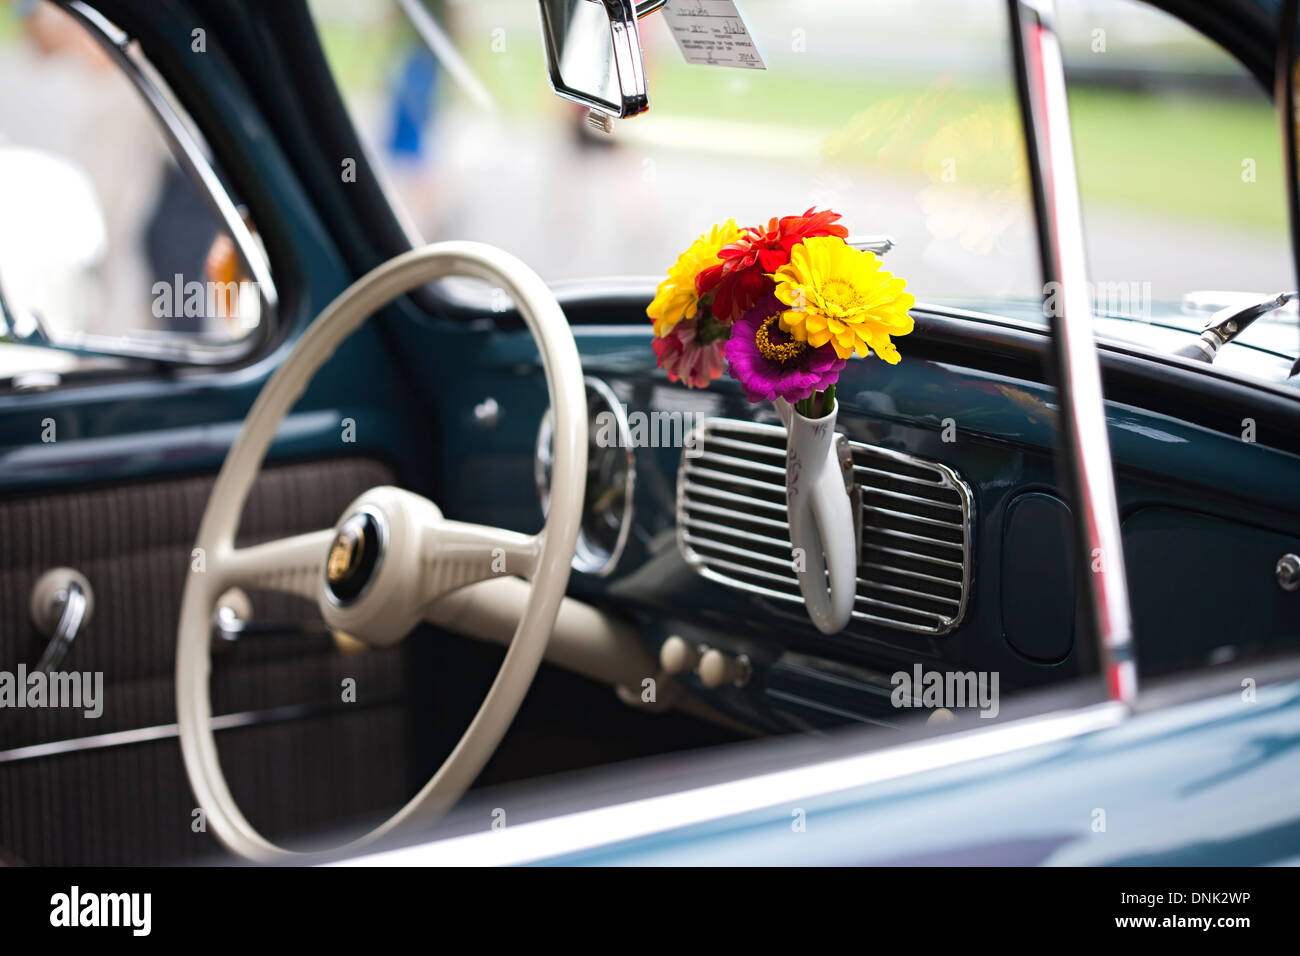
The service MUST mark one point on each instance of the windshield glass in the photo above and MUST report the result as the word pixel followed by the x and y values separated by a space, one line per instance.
pixel 901 116
pixel 923 145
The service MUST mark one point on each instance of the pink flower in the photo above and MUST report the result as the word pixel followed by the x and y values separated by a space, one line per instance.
pixel 693 352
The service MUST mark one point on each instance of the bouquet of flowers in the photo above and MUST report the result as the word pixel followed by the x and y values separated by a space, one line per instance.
pixel 785 305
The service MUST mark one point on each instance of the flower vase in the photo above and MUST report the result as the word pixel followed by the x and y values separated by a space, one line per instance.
pixel 820 517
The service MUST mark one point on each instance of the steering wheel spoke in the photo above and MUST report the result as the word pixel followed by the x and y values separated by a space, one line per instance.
pixel 294 565
pixel 461 554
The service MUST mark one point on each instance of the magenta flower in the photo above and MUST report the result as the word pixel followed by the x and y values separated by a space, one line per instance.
pixel 769 363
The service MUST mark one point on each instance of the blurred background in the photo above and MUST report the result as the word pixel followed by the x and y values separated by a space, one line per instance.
pixel 899 114
pixel 96 211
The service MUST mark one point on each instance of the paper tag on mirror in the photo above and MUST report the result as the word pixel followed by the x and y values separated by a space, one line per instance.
pixel 712 32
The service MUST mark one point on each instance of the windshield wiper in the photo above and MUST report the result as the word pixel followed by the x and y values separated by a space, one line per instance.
pixel 1226 324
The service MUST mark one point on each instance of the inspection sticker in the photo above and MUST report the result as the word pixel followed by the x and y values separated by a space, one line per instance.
pixel 712 32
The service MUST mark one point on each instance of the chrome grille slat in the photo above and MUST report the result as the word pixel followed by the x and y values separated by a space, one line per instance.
pixel 748 446
pixel 914 556
pixel 732 549
pixel 723 476
pixel 731 526
pixel 898 607
pixel 937 483
pixel 895 589
pixel 893 533
pixel 906 573
pixel 782 526
pixel 695 489
pixel 956 525
pixel 737 533
pixel 742 463
pixel 928 502
pixel 759 573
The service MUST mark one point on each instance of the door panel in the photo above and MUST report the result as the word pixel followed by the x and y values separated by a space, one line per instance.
pixel 302 759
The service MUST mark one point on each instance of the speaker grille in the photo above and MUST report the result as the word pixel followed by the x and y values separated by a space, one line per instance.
pixel 913 525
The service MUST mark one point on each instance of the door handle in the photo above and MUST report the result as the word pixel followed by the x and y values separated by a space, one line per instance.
pixel 61 604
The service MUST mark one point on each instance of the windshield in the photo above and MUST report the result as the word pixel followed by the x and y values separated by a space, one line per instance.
pixel 901 116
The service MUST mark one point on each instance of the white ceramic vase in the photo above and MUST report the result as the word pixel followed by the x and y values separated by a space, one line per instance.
pixel 821 519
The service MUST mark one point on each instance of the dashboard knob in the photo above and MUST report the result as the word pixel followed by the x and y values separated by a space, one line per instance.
pixel 718 669
pixel 677 655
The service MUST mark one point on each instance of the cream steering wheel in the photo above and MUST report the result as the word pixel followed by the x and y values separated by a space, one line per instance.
pixel 392 554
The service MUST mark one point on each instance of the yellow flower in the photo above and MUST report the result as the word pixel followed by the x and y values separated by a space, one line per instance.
pixel 839 295
pixel 676 298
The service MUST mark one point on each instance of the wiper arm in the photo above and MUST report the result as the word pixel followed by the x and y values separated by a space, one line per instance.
pixel 1226 324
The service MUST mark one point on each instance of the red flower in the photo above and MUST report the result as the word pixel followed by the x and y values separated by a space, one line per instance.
pixel 740 277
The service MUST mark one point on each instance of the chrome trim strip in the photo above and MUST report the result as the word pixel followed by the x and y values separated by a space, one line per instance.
pixel 731 496
pixel 610 825
pixel 771 438
pixel 915 555
pixel 142 735
pixel 192 154
pixel 932 502
pixel 907 573
pixel 753 519
pixel 744 535
pixel 1089 468
pixel 920 519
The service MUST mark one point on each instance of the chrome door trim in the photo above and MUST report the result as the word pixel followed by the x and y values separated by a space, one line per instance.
pixel 142 735
pixel 608 825
pixel 1089 470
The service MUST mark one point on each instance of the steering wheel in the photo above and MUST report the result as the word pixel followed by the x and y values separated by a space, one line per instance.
pixel 392 554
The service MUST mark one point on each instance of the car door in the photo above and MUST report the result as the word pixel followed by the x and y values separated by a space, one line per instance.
pixel 106 459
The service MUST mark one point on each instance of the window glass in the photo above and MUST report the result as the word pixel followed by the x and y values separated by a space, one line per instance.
pixel 103 233
pixel 1179 171
pixel 901 117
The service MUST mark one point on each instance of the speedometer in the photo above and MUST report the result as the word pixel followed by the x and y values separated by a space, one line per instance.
pixel 611 477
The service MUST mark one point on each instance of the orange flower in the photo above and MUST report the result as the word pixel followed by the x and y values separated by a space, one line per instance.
pixel 741 276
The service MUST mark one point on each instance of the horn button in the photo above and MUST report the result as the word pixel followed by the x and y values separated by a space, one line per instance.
pixel 355 555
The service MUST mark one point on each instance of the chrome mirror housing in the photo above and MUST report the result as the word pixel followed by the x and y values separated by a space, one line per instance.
pixel 593 53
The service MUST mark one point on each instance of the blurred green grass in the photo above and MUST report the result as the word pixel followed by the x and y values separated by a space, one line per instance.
pixel 1178 156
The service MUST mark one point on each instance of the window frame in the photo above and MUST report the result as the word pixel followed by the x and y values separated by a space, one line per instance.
pixel 190 150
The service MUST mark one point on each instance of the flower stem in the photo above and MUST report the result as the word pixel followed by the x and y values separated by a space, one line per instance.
pixel 817 404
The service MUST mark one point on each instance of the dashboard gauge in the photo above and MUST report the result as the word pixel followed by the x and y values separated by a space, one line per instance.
pixel 611 477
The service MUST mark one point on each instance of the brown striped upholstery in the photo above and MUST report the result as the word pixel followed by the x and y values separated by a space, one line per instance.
pixel 131 804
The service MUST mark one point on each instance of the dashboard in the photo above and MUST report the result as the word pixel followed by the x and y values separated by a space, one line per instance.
pixel 964 534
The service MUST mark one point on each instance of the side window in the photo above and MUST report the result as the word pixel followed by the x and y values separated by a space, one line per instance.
pixel 1180 165
pixel 103 234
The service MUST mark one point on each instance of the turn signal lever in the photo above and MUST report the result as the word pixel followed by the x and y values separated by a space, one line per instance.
pixel 1226 324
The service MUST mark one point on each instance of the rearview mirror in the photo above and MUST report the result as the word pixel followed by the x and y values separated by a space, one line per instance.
pixel 593 53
